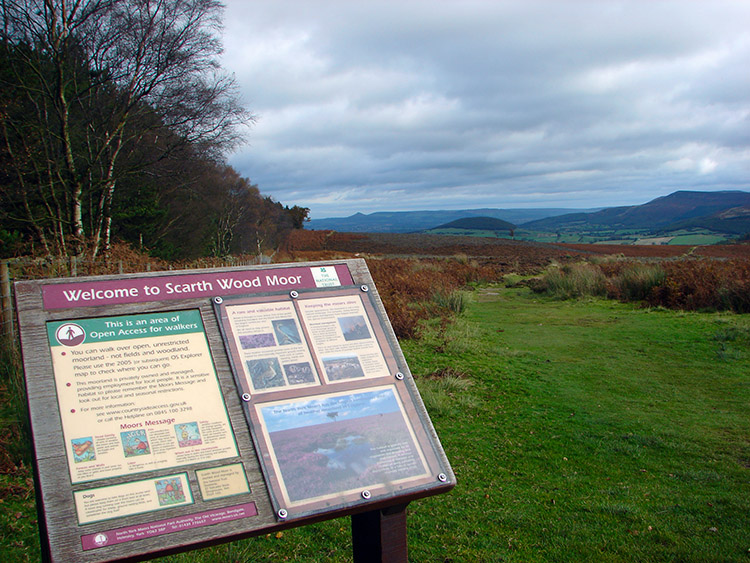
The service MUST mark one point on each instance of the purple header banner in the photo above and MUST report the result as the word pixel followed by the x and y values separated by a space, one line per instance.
pixel 190 286
pixel 168 526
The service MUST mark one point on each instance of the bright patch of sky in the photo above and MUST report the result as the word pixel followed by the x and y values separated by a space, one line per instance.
pixel 310 412
pixel 380 105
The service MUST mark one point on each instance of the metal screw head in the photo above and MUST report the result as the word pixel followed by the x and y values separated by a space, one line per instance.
pixel 246 397
pixel 442 477
pixel 218 300
pixel 293 294
pixel 366 494
pixel 364 288
pixel 282 514
pixel 399 376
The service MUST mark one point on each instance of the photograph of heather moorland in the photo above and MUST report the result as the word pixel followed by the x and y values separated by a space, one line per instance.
pixel 364 442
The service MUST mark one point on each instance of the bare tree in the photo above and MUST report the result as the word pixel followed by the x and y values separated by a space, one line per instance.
pixel 102 88
pixel 238 202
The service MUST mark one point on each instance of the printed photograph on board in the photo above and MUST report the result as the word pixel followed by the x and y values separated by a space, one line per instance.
pixel 333 444
pixel 286 332
pixel 299 373
pixel 266 373
pixel 262 340
pixel 269 348
pixel 354 328
pixel 343 367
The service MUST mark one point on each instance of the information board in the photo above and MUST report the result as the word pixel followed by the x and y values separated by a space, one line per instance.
pixel 173 410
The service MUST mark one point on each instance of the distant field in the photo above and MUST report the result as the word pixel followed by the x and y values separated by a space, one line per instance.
pixel 470 233
pixel 624 237
pixel 697 239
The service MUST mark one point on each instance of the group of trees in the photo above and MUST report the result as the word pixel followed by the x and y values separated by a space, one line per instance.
pixel 115 119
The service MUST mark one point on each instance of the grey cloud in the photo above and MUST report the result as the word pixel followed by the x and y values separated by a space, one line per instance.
pixel 381 105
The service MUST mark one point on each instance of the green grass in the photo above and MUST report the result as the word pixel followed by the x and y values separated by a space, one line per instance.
pixel 584 430
pixel 698 239
pixel 19 539
pixel 601 432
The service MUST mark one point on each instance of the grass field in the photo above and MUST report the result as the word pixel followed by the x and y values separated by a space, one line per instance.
pixel 584 430
pixel 697 239
pixel 593 431
pixel 602 236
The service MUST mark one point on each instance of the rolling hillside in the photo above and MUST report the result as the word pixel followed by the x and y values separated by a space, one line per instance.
pixel 678 210
pixel 474 224
pixel 415 221
pixel 683 217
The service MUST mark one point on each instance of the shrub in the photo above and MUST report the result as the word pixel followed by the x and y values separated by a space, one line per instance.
pixel 734 295
pixel 16 434
pixel 636 280
pixel 688 284
pixel 454 302
pixel 705 284
pixel 416 290
pixel 572 280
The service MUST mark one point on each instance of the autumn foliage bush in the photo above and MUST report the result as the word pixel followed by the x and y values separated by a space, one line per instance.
pixel 687 284
pixel 413 290
pixel 705 284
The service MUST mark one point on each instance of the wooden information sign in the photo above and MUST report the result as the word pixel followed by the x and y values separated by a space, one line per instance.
pixel 175 410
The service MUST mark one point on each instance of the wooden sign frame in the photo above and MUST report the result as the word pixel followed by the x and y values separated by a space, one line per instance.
pixel 160 424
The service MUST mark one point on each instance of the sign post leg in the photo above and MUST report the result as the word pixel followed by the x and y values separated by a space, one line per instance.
pixel 379 536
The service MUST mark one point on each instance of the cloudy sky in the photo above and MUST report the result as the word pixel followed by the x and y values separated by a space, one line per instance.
pixel 367 105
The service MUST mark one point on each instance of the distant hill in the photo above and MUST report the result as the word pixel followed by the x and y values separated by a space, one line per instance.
pixel 476 224
pixel 735 221
pixel 416 221
pixel 724 211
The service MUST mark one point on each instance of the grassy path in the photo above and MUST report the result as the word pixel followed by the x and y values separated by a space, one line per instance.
pixel 592 431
